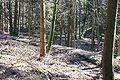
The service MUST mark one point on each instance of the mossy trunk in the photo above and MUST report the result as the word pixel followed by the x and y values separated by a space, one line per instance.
pixel 52 28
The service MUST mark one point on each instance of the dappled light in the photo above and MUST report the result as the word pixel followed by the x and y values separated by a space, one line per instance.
pixel 59 40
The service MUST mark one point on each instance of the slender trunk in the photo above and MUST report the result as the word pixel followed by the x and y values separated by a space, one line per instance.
pixel 19 6
pixel 0 15
pixel 29 20
pixel 76 23
pixel 79 19
pixel 71 27
pixel 68 32
pixel 42 42
pixel 15 19
pixel 2 19
pixel 93 26
pixel 52 27
pixel 84 18
pixel 61 26
pixel 22 23
pixel 10 18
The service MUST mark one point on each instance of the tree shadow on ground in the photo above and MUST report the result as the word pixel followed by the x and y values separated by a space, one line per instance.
pixel 51 76
pixel 9 73
pixel 78 58
pixel 85 45
pixel 117 69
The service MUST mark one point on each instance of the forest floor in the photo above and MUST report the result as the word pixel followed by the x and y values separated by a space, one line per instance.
pixel 18 61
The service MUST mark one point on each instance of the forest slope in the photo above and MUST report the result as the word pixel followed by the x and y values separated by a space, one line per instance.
pixel 18 61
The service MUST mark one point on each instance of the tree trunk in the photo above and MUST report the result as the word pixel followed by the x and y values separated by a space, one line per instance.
pixel 108 52
pixel 29 20
pixel 79 19
pixel 22 23
pixel 10 18
pixel 71 27
pixel 16 18
pixel 61 28
pixel 19 6
pixel 0 15
pixel 52 27
pixel 94 26
pixel 42 42
pixel 76 21
pixel 2 18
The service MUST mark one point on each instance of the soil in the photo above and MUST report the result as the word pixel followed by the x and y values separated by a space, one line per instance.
pixel 19 61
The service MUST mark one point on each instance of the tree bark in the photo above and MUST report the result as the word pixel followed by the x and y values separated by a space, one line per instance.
pixel 108 52
pixel 0 15
pixel 16 18
pixel 42 42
